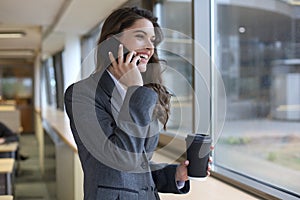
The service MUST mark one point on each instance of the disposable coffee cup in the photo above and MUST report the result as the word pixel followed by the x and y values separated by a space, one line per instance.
pixel 198 150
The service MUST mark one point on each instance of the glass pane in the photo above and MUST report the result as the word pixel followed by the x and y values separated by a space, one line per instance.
pixel 176 50
pixel 50 82
pixel 88 48
pixel 257 48
pixel 16 88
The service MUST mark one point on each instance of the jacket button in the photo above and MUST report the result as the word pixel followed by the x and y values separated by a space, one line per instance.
pixel 145 188
pixel 152 188
pixel 144 165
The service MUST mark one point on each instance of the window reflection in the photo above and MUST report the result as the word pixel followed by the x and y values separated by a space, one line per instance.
pixel 176 50
pixel 16 88
pixel 258 50
pixel 50 83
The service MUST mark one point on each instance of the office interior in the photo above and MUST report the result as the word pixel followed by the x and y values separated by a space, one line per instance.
pixel 234 67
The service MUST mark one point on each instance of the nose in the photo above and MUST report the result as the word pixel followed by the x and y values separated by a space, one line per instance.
pixel 149 44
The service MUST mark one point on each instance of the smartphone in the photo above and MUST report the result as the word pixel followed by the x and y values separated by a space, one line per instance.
pixel 110 45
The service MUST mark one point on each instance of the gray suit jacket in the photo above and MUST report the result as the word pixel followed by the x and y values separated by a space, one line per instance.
pixel 116 139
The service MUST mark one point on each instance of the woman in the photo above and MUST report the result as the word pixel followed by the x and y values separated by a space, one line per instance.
pixel 114 114
pixel 7 135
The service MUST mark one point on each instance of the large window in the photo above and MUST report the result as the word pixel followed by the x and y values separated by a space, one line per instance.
pixel 257 48
pixel 49 82
pixel 58 71
pixel 53 81
pixel 16 88
pixel 88 50
pixel 176 50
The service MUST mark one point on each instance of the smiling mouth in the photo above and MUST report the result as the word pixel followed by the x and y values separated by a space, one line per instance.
pixel 143 56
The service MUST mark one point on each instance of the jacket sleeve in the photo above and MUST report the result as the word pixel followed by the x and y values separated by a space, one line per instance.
pixel 164 179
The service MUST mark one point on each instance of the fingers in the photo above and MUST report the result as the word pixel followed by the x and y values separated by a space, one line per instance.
pixel 208 170
pixel 112 59
pixel 120 57
pixel 210 159
pixel 120 54
pixel 185 163
pixel 135 59
pixel 181 172
pixel 126 72
pixel 125 59
pixel 208 173
pixel 184 175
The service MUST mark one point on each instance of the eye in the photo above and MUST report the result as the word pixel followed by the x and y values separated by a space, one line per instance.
pixel 140 36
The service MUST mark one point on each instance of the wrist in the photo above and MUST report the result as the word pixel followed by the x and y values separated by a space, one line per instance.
pixel 2 140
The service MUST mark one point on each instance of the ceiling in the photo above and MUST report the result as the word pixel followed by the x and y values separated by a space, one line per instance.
pixel 45 24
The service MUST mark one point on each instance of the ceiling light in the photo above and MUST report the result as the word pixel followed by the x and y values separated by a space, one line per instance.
pixel 242 29
pixel 17 53
pixel 11 34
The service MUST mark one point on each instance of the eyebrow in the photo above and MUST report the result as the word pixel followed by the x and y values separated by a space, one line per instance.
pixel 144 32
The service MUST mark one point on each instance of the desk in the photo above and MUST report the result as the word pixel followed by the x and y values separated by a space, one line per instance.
pixel 6 171
pixel 6 197
pixel 10 149
pixel 69 174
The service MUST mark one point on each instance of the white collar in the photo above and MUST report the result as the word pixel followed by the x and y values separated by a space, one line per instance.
pixel 119 86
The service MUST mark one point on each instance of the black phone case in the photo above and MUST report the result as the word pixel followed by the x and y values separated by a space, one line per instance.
pixel 110 45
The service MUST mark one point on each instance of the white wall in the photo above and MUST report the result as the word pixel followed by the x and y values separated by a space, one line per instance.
pixel 71 60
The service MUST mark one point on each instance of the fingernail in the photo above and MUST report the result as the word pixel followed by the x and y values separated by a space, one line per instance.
pixel 120 45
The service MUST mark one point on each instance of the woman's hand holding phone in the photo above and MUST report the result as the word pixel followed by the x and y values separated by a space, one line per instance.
pixel 125 68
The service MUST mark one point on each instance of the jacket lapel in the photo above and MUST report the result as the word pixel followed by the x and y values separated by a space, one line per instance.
pixel 108 86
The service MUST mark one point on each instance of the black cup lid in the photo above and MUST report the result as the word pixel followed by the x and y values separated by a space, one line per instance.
pixel 201 137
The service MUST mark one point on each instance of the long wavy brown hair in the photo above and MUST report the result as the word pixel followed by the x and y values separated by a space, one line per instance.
pixel 124 18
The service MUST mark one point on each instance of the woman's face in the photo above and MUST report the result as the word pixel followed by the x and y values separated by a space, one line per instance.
pixel 140 38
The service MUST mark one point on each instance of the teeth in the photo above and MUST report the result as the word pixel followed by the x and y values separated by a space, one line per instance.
pixel 143 56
